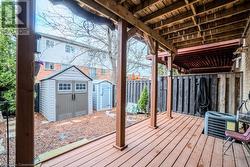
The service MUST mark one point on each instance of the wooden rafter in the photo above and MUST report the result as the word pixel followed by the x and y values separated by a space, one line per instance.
pixel 232 26
pixel 96 7
pixel 125 14
pixel 209 33
pixel 163 11
pixel 143 5
pixel 193 18
pixel 134 32
pixel 242 8
pixel 211 6
pixel 195 43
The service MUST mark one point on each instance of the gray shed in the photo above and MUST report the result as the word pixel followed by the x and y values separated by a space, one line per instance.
pixel 102 95
pixel 66 94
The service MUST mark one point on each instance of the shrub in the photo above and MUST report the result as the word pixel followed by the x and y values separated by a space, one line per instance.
pixel 143 101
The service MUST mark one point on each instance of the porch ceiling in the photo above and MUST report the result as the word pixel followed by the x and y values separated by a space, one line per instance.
pixel 209 58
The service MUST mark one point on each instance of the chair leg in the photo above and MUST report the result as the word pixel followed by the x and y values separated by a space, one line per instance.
pixel 246 146
pixel 229 145
pixel 226 141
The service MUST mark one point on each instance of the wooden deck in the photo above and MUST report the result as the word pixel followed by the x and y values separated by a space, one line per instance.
pixel 177 142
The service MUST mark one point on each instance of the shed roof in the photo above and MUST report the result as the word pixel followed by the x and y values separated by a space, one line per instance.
pixel 63 70
pixel 101 81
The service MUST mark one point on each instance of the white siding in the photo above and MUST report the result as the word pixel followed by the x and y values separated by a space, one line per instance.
pixel 71 74
pixel 97 99
pixel 48 99
pixel 94 94
pixel 90 105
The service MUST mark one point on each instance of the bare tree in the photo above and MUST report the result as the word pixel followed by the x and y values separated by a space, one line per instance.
pixel 99 40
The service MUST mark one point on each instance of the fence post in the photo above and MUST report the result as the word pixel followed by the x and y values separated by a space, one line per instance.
pixel 169 94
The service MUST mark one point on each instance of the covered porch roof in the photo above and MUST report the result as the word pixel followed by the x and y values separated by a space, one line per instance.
pixel 209 58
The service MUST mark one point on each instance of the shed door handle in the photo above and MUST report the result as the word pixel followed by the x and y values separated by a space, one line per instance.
pixel 74 96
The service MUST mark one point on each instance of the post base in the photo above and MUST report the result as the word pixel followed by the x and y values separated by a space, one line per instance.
pixel 153 127
pixel 169 117
pixel 120 148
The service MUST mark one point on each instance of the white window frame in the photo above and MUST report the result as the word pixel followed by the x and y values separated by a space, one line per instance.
pixel 68 90
pixel 50 64
pixel 51 45
pixel 69 48
pixel 81 90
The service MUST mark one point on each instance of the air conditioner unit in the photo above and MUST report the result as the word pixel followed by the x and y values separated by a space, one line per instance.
pixel 217 123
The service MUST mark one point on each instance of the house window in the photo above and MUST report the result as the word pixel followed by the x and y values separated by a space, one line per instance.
pixel 93 73
pixel 49 44
pixel 103 71
pixel 49 66
pixel 80 87
pixel 69 49
pixel 64 87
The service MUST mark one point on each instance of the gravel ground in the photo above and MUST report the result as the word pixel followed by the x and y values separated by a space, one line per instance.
pixel 52 135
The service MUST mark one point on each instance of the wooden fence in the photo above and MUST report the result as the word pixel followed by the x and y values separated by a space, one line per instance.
pixel 224 91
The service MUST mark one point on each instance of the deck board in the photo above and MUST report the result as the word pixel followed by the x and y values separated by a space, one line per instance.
pixel 240 158
pixel 206 156
pixel 176 142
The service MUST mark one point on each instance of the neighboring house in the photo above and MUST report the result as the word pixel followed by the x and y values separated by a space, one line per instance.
pixel 48 68
pixel 57 53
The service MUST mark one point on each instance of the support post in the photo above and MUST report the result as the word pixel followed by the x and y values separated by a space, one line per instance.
pixel 170 86
pixel 154 88
pixel 25 87
pixel 121 86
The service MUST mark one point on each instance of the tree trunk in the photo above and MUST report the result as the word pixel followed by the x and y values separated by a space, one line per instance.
pixel 112 55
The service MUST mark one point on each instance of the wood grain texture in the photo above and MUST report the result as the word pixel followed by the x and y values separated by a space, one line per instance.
pixel 176 142
pixel 25 89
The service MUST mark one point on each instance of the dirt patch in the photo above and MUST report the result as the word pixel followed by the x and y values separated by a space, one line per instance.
pixel 52 135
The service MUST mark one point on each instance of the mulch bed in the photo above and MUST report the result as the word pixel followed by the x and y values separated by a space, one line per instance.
pixel 52 135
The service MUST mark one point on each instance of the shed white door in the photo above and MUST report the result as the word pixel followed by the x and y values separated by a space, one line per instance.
pixel 106 97
pixel 71 99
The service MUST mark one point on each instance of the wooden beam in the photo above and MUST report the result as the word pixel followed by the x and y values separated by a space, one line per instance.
pixel 129 17
pixel 170 86
pixel 98 8
pixel 150 42
pixel 163 11
pixel 197 43
pixel 209 8
pixel 209 68
pixel 194 19
pixel 154 89
pixel 143 5
pixel 209 33
pixel 25 88
pixel 134 32
pixel 172 20
pixel 121 87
